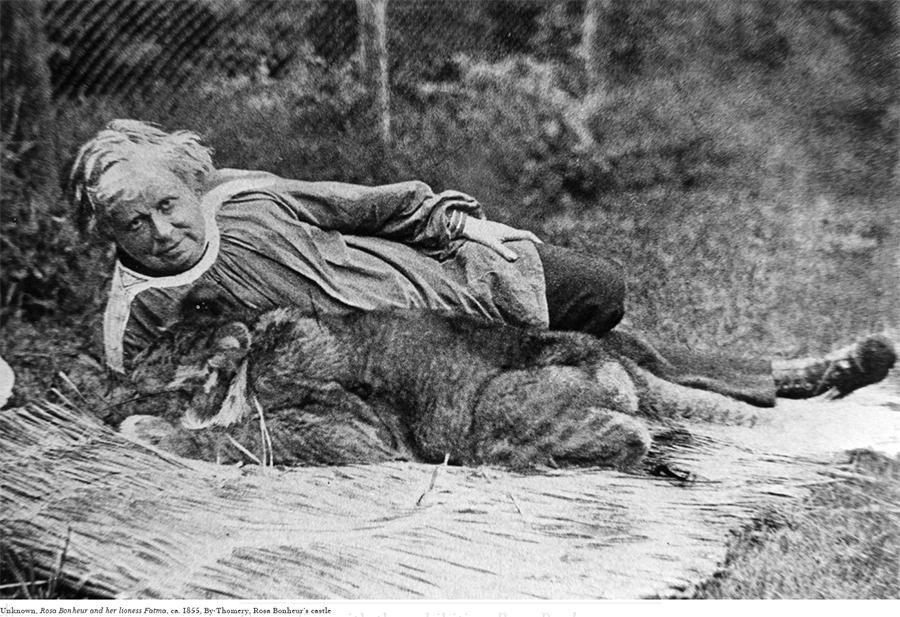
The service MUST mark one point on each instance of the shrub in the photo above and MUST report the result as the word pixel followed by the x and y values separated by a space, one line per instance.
pixel 46 268
pixel 685 131
pixel 507 133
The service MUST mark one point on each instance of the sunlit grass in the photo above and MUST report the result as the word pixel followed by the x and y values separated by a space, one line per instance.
pixel 841 542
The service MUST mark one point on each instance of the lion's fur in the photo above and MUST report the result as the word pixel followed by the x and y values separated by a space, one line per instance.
pixel 374 386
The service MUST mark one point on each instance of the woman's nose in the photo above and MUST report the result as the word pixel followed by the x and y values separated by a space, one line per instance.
pixel 162 227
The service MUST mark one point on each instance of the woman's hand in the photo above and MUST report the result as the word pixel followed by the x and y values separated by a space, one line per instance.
pixel 493 235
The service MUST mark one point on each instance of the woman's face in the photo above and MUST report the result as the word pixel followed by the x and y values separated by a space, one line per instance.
pixel 158 220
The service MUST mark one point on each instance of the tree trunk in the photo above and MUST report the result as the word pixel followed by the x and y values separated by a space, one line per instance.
pixel 374 61
pixel 27 112
pixel 590 48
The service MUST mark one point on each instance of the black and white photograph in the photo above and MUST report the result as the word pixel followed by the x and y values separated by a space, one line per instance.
pixel 448 301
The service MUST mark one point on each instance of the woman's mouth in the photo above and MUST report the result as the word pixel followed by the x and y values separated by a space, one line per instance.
pixel 170 251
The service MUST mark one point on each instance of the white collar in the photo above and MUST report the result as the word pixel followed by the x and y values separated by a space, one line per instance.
pixel 127 283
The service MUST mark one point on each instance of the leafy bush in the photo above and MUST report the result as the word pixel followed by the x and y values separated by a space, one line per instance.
pixel 46 269
pixel 506 132
pixel 677 131
pixel 312 126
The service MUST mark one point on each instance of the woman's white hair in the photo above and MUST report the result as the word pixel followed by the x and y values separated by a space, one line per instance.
pixel 92 190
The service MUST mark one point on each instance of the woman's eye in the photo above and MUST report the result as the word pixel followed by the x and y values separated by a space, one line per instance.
pixel 134 225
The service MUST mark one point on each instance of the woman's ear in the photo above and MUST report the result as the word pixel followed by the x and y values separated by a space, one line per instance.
pixel 102 227
pixel 93 219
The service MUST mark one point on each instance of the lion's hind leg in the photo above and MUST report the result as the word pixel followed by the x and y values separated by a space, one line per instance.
pixel 554 415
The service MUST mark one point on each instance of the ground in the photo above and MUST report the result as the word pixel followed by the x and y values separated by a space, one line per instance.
pixel 842 540
pixel 800 516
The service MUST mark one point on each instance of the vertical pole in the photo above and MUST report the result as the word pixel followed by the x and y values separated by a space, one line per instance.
pixel 374 61
pixel 590 51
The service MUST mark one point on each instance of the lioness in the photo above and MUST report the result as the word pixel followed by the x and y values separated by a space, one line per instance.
pixel 293 388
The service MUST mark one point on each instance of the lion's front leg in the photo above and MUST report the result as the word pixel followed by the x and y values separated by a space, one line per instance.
pixel 325 425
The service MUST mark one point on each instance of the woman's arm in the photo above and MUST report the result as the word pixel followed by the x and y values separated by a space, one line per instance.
pixel 493 235
pixel 407 212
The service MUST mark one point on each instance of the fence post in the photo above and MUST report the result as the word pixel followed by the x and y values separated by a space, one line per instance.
pixel 28 115
pixel 374 61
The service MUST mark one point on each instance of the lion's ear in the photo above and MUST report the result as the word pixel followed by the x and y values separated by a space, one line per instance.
pixel 231 343
pixel 207 304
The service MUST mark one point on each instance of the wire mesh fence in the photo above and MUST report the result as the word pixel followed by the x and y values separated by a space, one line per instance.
pixel 125 46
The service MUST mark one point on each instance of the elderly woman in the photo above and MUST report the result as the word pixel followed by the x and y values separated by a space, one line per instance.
pixel 267 241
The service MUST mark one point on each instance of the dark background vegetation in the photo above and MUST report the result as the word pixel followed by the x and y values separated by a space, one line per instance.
pixel 739 158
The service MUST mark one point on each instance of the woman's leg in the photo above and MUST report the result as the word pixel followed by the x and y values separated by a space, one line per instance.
pixel 841 372
pixel 586 293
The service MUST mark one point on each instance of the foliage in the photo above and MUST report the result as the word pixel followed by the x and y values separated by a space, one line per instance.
pixel 425 35
pixel 506 133
pixel 312 126
pixel 739 158
pixel 678 132
pixel 45 267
